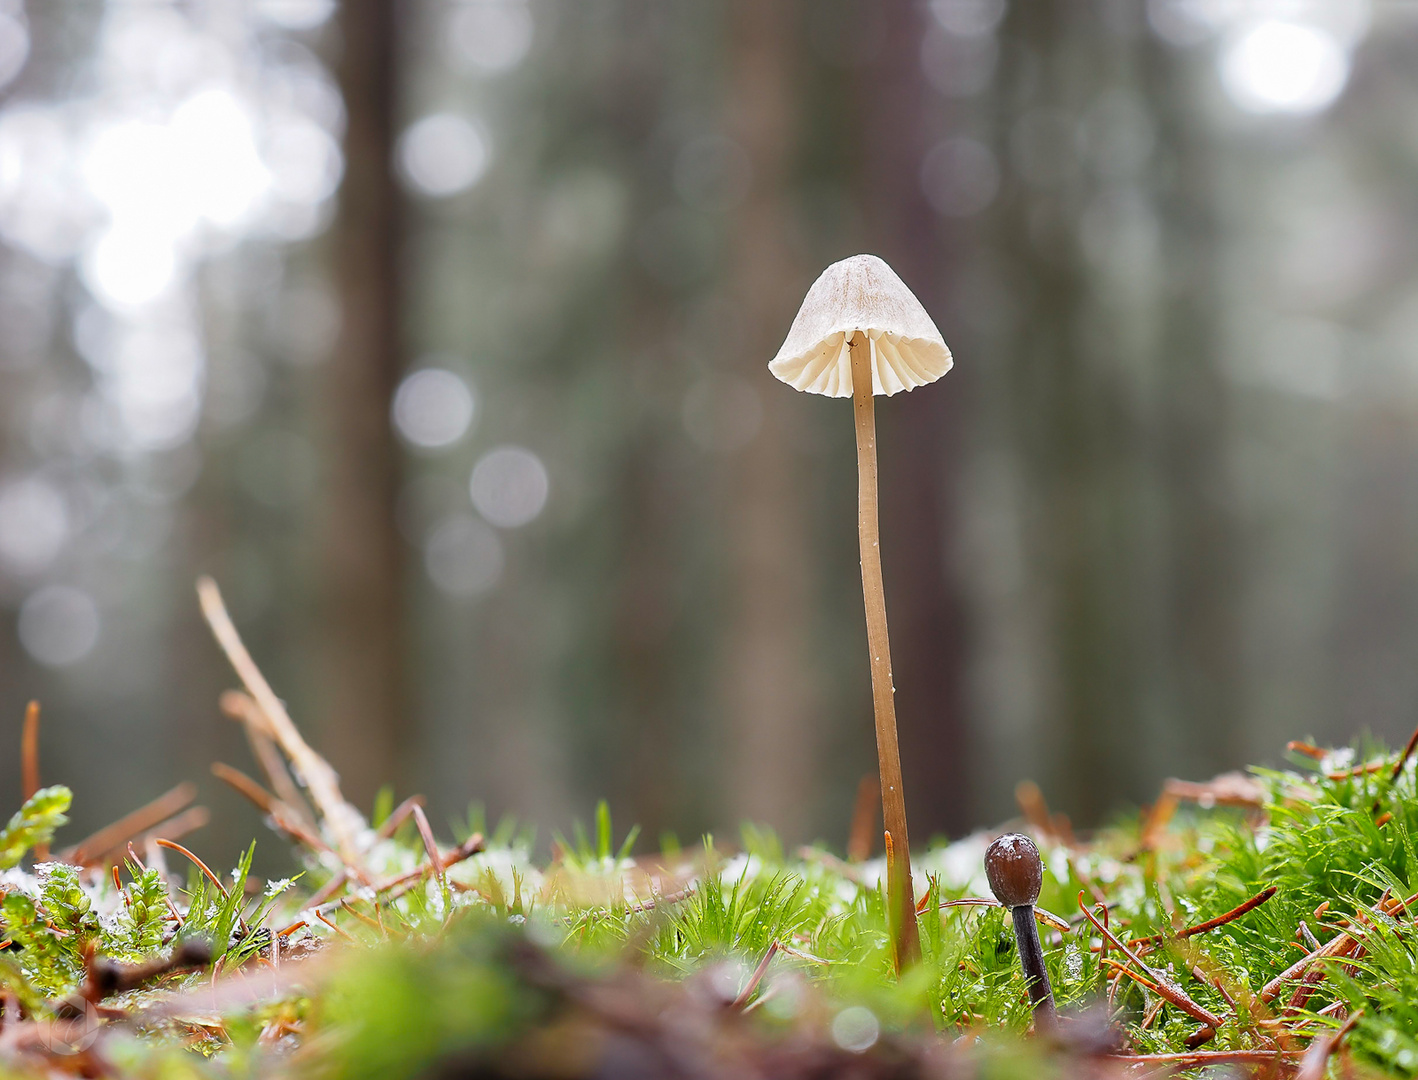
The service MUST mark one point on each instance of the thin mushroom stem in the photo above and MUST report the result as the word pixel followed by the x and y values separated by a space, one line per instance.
pixel 901 903
pixel 1031 959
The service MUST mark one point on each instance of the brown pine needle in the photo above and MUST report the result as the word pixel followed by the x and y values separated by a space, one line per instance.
pixel 1309 750
pixel 281 815
pixel 1317 1056
pixel 362 918
pixel 343 933
pixel 29 766
pixel 1175 994
pixel 92 848
pixel 1141 980
pixel 1210 924
pixel 29 751
pixel 757 976
pixel 243 709
pixel 430 845
pixel 400 814
pixel 1209 1057
pixel 173 845
pixel 1342 945
pixel 1407 753
pixel 864 815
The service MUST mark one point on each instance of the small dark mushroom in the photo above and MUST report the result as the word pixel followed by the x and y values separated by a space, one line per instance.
pixel 1016 873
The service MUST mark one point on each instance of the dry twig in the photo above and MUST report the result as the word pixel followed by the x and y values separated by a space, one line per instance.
pixel 342 819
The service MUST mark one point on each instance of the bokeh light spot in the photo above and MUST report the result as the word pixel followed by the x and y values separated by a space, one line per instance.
pixel 58 625
pixel 509 486
pixel 463 557
pixel 490 36
pixel 433 408
pixel 442 155
pixel 34 524
pixel 856 1029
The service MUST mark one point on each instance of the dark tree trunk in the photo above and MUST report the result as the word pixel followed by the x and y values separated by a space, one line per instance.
pixel 361 616
pixel 767 685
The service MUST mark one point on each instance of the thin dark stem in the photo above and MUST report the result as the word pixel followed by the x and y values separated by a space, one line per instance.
pixel 1031 959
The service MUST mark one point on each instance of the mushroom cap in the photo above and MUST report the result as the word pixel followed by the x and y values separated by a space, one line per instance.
pixel 860 293
pixel 1014 870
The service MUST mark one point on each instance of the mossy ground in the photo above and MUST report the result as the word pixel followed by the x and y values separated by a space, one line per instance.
pixel 602 963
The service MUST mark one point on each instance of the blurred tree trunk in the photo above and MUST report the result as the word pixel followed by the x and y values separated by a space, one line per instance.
pixel 1117 415
pixel 361 614
pixel 921 448
pixel 766 683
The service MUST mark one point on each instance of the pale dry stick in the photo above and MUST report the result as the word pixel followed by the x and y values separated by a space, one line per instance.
pixel 893 798
pixel 659 900
pixel 1175 994
pixel 243 709
pixel 92 848
pixel 313 770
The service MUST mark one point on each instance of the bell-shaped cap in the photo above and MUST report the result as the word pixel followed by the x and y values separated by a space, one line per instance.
pixel 861 293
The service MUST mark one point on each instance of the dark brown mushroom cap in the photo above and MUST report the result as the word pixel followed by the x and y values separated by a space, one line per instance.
pixel 1015 871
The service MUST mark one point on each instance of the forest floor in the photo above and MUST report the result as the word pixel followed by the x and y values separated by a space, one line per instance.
pixel 1260 922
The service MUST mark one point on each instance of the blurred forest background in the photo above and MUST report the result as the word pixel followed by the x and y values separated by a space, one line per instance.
pixel 437 330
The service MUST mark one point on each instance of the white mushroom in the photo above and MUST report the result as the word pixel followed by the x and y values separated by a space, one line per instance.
pixel 861 332
pixel 861 294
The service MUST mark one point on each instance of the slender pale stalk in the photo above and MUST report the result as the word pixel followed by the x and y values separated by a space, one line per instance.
pixel 900 896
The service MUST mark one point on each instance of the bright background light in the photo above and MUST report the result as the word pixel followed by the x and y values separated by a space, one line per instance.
pixel 1284 67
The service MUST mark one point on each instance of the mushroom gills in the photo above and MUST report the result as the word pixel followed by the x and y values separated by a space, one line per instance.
pixel 897 364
